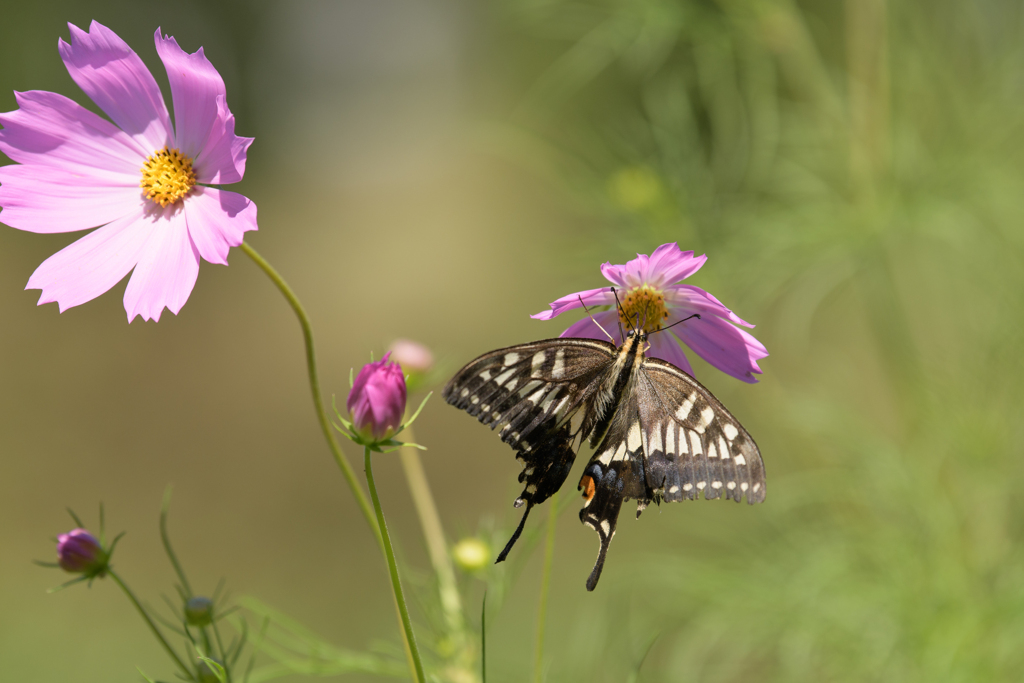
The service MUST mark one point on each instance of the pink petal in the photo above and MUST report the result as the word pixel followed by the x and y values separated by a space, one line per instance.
pixel 725 346
pixel 218 220
pixel 588 329
pixel 635 271
pixel 89 267
pixel 45 200
pixel 668 264
pixel 591 297
pixel 665 345
pixel 167 268
pixel 222 160
pixel 615 274
pixel 195 87
pixel 48 129
pixel 119 83
pixel 690 299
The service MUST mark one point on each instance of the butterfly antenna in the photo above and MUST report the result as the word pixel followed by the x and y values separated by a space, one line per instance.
pixel 612 339
pixel 662 329
pixel 619 308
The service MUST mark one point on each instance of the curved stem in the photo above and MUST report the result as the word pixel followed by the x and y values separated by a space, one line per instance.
pixel 314 385
pixel 396 585
pixel 152 626
pixel 545 583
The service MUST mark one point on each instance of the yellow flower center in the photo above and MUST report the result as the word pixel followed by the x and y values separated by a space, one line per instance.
pixel 167 176
pixel 647 303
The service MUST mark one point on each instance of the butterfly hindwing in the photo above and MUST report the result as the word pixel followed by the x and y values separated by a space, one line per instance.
pixel 694 443
pixel 615 473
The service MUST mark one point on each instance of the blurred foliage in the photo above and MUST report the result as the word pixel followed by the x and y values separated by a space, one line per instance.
pixel 853 170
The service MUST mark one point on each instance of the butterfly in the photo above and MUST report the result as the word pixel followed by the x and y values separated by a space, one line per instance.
pixel 657 433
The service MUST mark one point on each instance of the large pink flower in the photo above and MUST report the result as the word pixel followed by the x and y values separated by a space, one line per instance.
pixel 145 182
pixel 648 292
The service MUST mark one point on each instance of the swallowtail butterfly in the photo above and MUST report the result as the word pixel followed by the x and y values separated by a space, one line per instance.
pixel 658 434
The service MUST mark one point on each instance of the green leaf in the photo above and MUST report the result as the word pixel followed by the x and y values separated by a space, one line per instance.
pixel 215 667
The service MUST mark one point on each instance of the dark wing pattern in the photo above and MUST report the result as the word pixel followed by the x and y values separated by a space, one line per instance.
pixel 692 442
pixel 531 391
pixel 614 473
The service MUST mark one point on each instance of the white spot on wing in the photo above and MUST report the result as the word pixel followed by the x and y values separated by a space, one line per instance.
pixel 559 369
pixel 537 362
pixel 670 438
pixel 730 431
pixel 701 485
pixel 464 393
pixel 510 358
pixel 633 439
pixel 673 489
pixel 731 485
pixel 744 486
pixel 683 411
pixel 503 377
pixel 620 452
pixel 606 526
pixel 687 487
pixel 757 487
pixel 716 484
pixel 706 416
pixel 474 400
pixel 695 443
pixel 740 460
pixel 655 440
pixel 606 457
pixel 723 448
pixel 712 451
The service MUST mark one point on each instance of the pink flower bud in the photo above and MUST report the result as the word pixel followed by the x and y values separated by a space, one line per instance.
pixel 79 552
pixel 377 399
pixel 412 356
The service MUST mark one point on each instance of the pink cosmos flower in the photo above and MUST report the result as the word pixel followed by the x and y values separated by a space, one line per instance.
pixel 146 182
pixel 647 288
pixel 377 399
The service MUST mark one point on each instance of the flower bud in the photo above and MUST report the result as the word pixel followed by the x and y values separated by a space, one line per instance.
pixel 377 399
pixel 471 554
pixel 199 611
pixel 79 552
pixel 412 356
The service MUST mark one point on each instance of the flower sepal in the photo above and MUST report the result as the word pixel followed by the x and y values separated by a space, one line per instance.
pixel 348 429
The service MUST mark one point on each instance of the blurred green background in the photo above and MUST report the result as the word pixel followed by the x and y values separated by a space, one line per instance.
pixel 441 169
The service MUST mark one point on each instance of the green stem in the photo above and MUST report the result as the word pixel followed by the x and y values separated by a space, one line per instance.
pixel 152 626
pixel 314 385
pixel 396 585
pixel 433 534
pixel 545 583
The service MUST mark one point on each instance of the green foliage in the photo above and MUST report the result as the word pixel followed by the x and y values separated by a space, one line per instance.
pixel 852 170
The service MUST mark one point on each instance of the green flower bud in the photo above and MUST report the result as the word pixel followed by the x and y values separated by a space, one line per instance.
pixel 199 611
